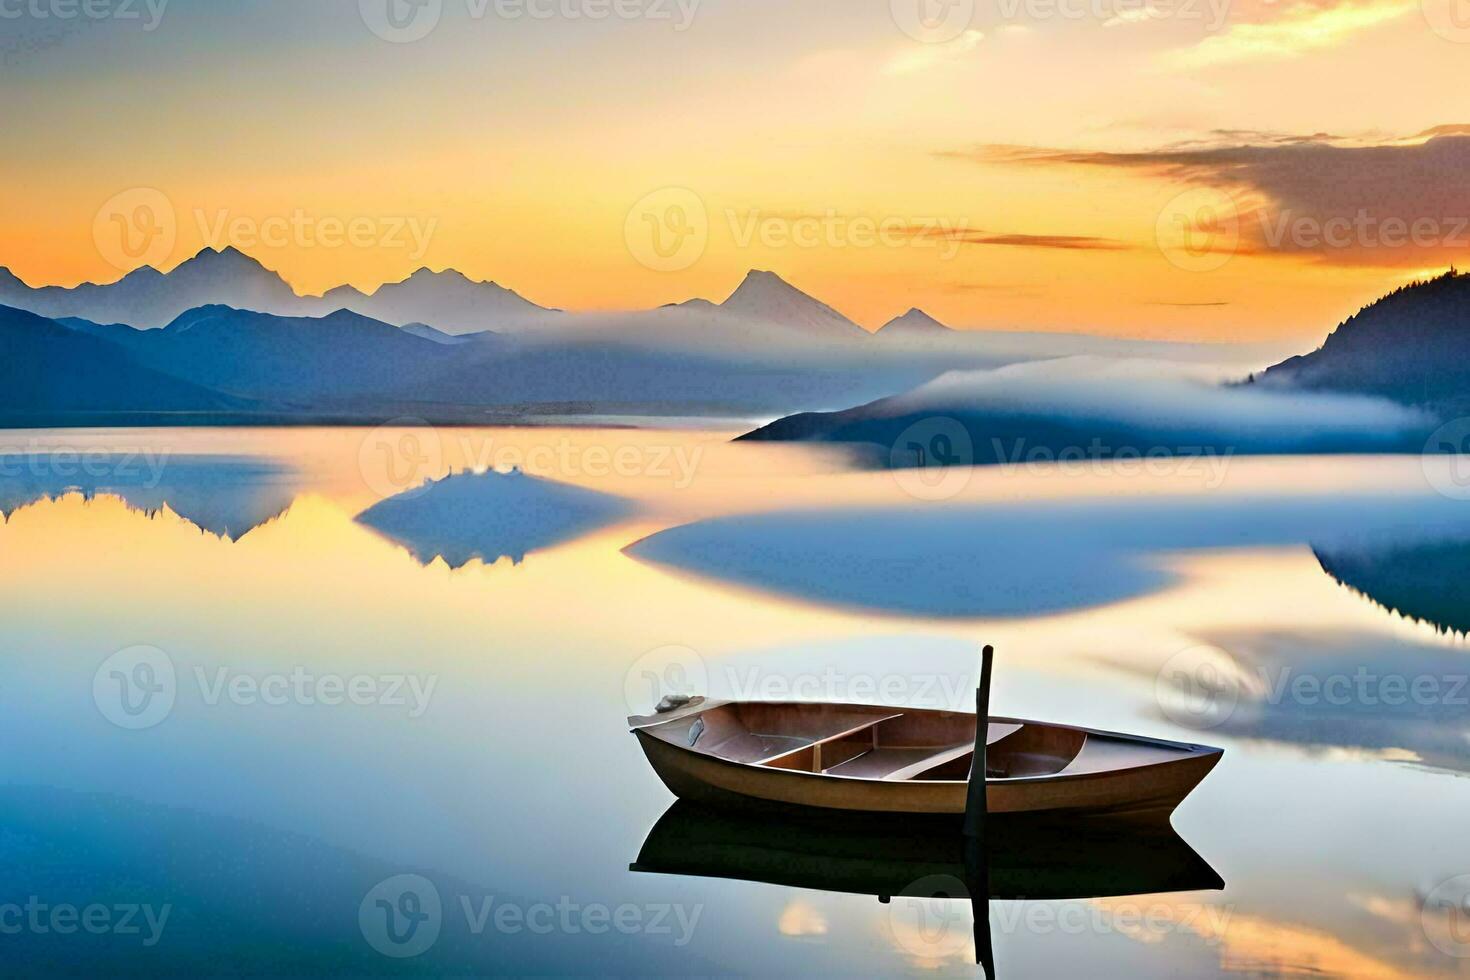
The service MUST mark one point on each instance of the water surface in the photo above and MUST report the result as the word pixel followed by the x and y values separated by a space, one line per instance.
pixel 485 752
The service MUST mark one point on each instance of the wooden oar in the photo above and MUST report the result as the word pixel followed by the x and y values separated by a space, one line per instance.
pixel 975 803
pixel 976 872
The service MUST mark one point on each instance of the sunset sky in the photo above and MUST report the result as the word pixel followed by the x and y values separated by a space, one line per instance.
pixel 1025 159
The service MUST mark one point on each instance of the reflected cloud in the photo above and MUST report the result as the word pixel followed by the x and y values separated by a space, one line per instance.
pixel 224 495
pixel 801 920
pixel 1256 946
pixel 1328 691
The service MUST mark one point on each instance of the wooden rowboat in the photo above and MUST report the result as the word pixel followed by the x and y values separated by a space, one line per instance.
pixel 865 759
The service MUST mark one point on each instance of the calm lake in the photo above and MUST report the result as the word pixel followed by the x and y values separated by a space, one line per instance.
pixel 237 717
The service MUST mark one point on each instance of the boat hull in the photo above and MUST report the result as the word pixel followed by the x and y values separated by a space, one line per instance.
pixel 1152 789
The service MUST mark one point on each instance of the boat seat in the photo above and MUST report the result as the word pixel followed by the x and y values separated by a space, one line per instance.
pixel 839 747
pixel 898 763
pixel 750 747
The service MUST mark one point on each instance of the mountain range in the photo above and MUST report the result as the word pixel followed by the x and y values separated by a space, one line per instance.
pixel 222 338
pixel 147 298
pixel 49 371
pixel 448 301
pixel 218 363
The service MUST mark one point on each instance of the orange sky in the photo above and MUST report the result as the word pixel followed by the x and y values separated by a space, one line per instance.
pixel 839 143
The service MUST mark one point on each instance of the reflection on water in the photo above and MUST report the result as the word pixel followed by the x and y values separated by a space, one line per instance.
pixel 493 515
pixel 1427 581
pixel 1338 690
pixel 344 719
pixel 929 873
pixel 1025 859
pixel 225 495
pixel 1037 559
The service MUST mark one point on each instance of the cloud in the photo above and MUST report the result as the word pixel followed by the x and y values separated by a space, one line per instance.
pixel 1136 15
pixel 1453 129
pixel 1300 29
pixel 927 56
pixel 1085 243
pixel 1395 203
pixel 1161 402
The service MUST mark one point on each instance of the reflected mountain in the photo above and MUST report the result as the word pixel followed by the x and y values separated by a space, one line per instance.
pixel 492 515
pixel 1015 560
pixel 1426 581
pixel 224 495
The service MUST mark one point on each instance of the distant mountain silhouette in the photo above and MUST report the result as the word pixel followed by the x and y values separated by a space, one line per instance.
pixel 1409 346
pixel 147 298
pixel 287 359
pixel 255 351
pixel 915 324
pixel 487 516
pixel 50 372
pixel 449 301
pixel 617 376
pixel 426 332
pixel 345 366
pixel 766 297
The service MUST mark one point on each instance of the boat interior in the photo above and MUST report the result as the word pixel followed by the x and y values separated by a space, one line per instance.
pixel 896 744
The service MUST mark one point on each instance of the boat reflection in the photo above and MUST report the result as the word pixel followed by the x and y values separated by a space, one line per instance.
pixel 1020 858
pixel 1024 858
